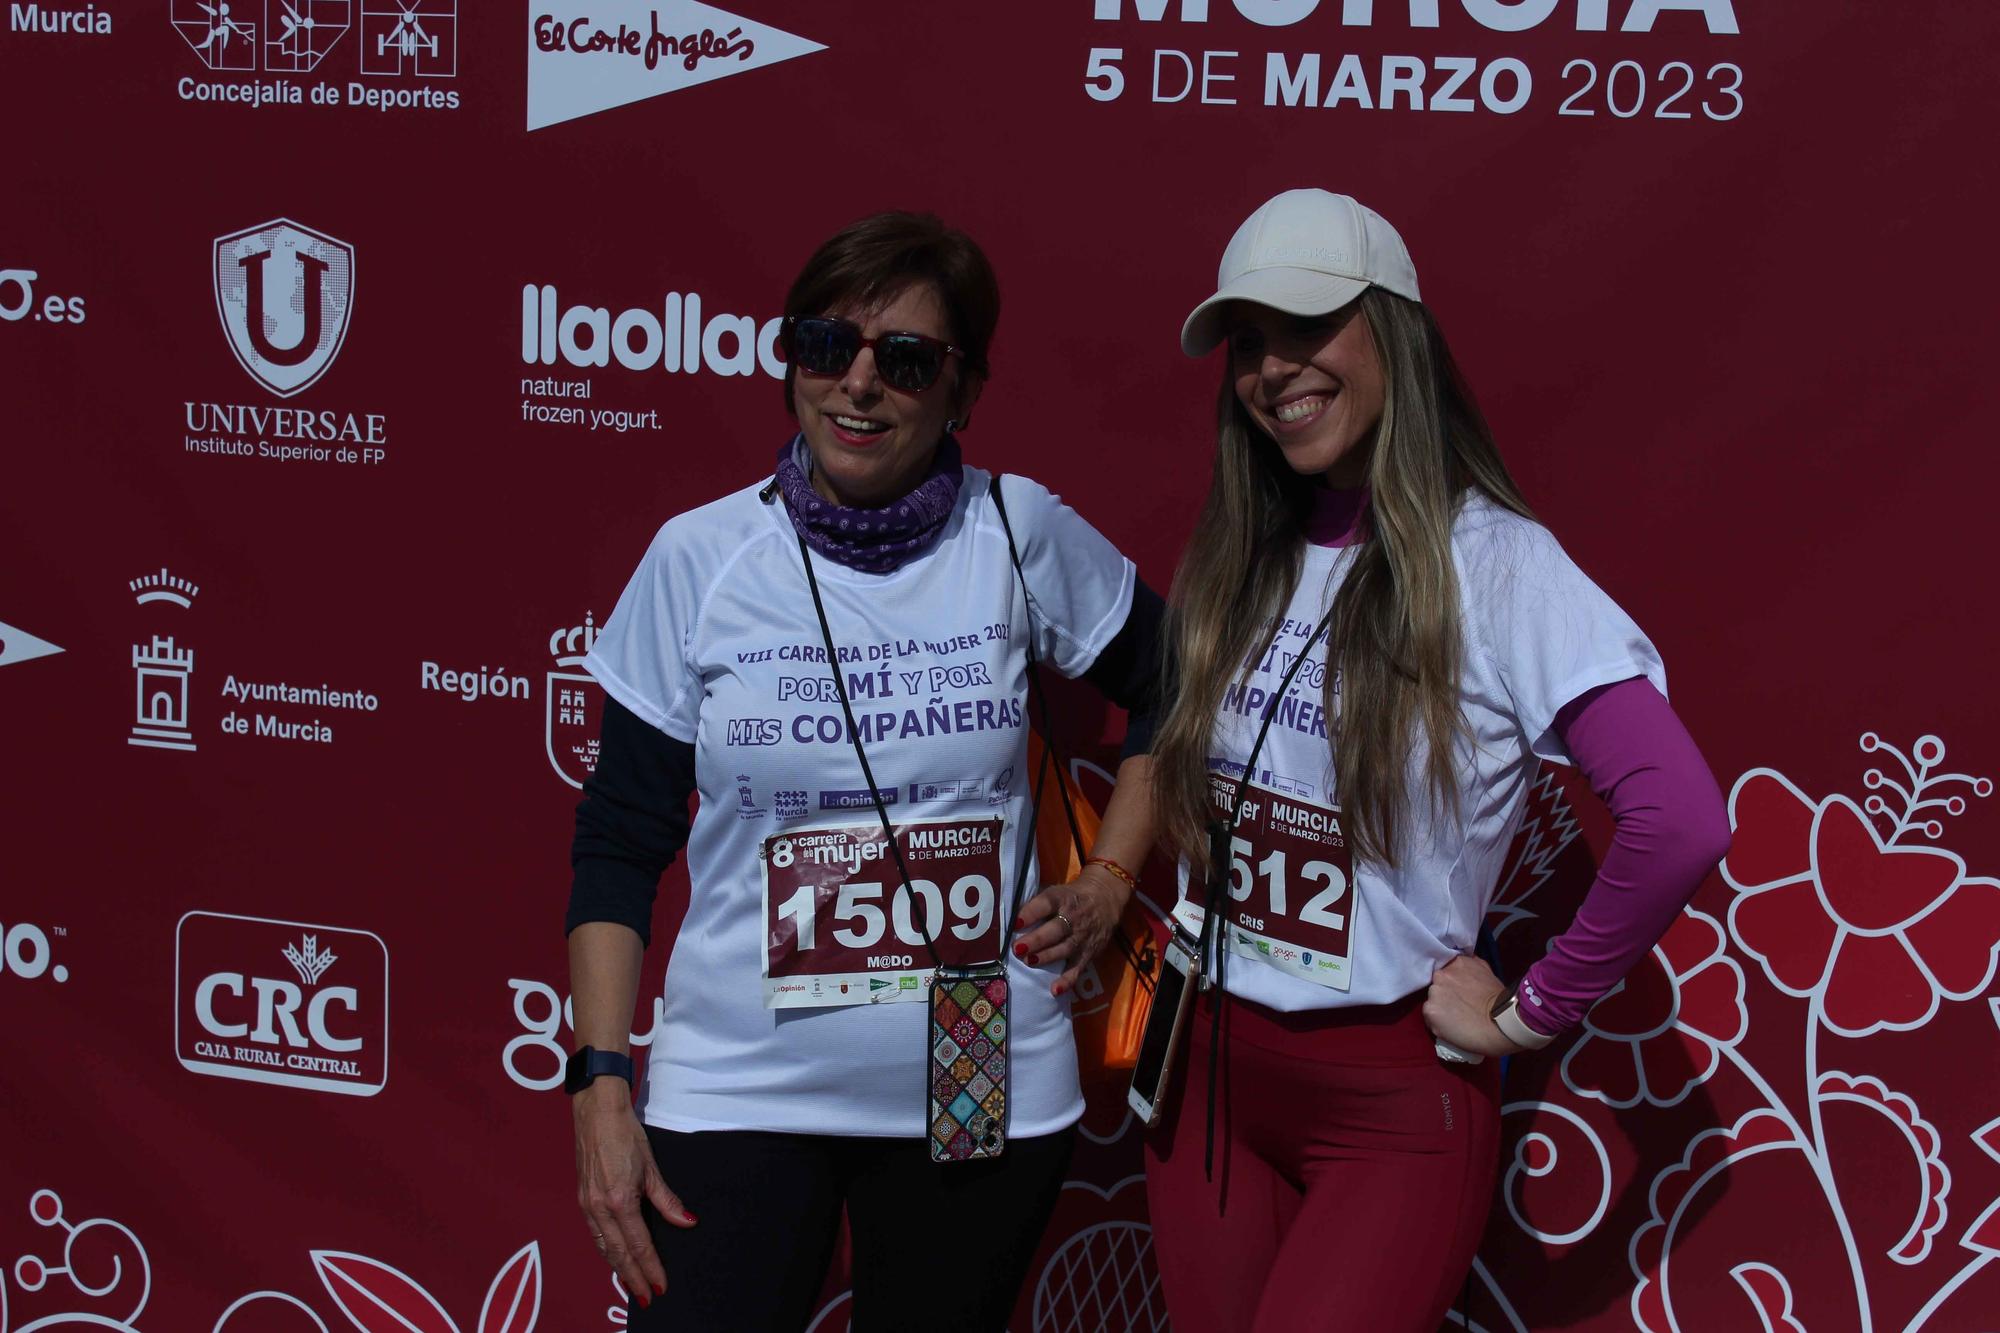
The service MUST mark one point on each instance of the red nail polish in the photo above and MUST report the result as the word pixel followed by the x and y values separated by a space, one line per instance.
pixel 1034 960
pixel 690 1215
pixel 645 1302
pixel 1020 951
pixel 660 1288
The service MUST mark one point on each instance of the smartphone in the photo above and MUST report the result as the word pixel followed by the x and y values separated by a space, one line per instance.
pixel 1173 996
pixel 966 1070
pixel 1452 1055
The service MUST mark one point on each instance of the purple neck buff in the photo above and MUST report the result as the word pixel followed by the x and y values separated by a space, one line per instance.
pixel 876 541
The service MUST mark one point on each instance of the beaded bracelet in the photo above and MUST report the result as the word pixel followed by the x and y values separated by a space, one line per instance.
pixel 1131 880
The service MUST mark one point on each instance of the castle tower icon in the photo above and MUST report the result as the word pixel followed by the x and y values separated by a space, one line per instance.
pixel 162 694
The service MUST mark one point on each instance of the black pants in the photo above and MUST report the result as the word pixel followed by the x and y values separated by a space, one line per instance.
pixel 935 1245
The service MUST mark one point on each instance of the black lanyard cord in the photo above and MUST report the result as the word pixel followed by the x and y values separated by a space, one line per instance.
pixel 1215 921
pixel 1041 701
pixel 1035 690
pixel 868 775
pixel 854 734
pixel 1143 957
pixel 1144 965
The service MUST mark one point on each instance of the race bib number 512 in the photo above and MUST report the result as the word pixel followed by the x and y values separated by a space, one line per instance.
pixel 1291 884
pixel 839 927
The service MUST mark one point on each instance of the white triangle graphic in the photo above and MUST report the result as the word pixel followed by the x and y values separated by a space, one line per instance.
pixel 17 645
pixel 565 83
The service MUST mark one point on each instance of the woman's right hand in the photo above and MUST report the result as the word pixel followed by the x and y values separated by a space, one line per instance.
pixel 614 1170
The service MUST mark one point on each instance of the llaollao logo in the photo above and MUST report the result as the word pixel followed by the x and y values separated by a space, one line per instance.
pixel 25 952
pixel 284 293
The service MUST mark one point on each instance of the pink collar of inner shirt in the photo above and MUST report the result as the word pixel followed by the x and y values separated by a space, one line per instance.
pixel 1336 517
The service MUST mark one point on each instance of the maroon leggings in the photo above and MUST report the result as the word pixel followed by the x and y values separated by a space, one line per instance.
pixel 1353 1171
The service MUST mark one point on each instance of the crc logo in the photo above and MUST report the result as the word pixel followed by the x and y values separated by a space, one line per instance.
pixel 283 292
pixel 24 952
pixel 282 1002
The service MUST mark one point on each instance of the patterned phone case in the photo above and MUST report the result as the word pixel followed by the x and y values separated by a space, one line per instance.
pixel 967 1068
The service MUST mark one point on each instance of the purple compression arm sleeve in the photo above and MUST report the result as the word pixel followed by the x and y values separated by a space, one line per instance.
pixel 1671 829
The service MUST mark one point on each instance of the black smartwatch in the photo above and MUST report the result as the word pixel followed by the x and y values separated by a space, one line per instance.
pixel 589 1064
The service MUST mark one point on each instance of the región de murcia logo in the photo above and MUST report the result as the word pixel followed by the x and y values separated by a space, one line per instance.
pixel 572 706
pixel 283 1002
pixel 575 705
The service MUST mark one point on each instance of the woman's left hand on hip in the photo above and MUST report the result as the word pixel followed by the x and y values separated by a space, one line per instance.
pixel 1459 1007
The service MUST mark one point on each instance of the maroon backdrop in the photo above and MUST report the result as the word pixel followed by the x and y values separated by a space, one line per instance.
pixel 320 461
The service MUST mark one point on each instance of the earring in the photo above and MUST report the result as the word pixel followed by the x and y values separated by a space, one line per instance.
pixel 951 426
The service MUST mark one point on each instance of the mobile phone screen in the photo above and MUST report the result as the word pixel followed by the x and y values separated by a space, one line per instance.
pixel 1160 1034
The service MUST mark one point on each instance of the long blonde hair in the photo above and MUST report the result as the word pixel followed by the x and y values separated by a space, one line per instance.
pixel 1395 642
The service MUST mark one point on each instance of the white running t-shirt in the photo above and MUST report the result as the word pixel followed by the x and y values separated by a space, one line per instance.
pixel 715 642
pixel 1310 929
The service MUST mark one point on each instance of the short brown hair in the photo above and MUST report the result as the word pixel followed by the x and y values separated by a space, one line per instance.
pixel 871 261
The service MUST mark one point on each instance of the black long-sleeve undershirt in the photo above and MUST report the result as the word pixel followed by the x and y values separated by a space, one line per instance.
pixel 633 819
pixel 632 822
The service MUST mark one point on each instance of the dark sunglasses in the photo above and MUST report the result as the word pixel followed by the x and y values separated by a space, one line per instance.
pixel 818 345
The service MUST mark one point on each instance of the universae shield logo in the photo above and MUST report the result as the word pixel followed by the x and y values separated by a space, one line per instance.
pixel 284 292
pixel 575 707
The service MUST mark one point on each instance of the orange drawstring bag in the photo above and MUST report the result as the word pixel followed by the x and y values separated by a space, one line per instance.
pixel 1107 1035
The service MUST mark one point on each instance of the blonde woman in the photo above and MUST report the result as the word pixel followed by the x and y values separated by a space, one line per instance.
pixel 1369 604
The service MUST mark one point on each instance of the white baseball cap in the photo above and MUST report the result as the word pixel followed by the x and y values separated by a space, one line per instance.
pixel 1305 252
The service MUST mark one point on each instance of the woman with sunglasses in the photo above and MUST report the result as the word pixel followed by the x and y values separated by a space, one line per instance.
pixel 1375 643
pixel 842 644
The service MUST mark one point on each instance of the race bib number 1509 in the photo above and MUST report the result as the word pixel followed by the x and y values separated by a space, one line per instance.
pixel 839 927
